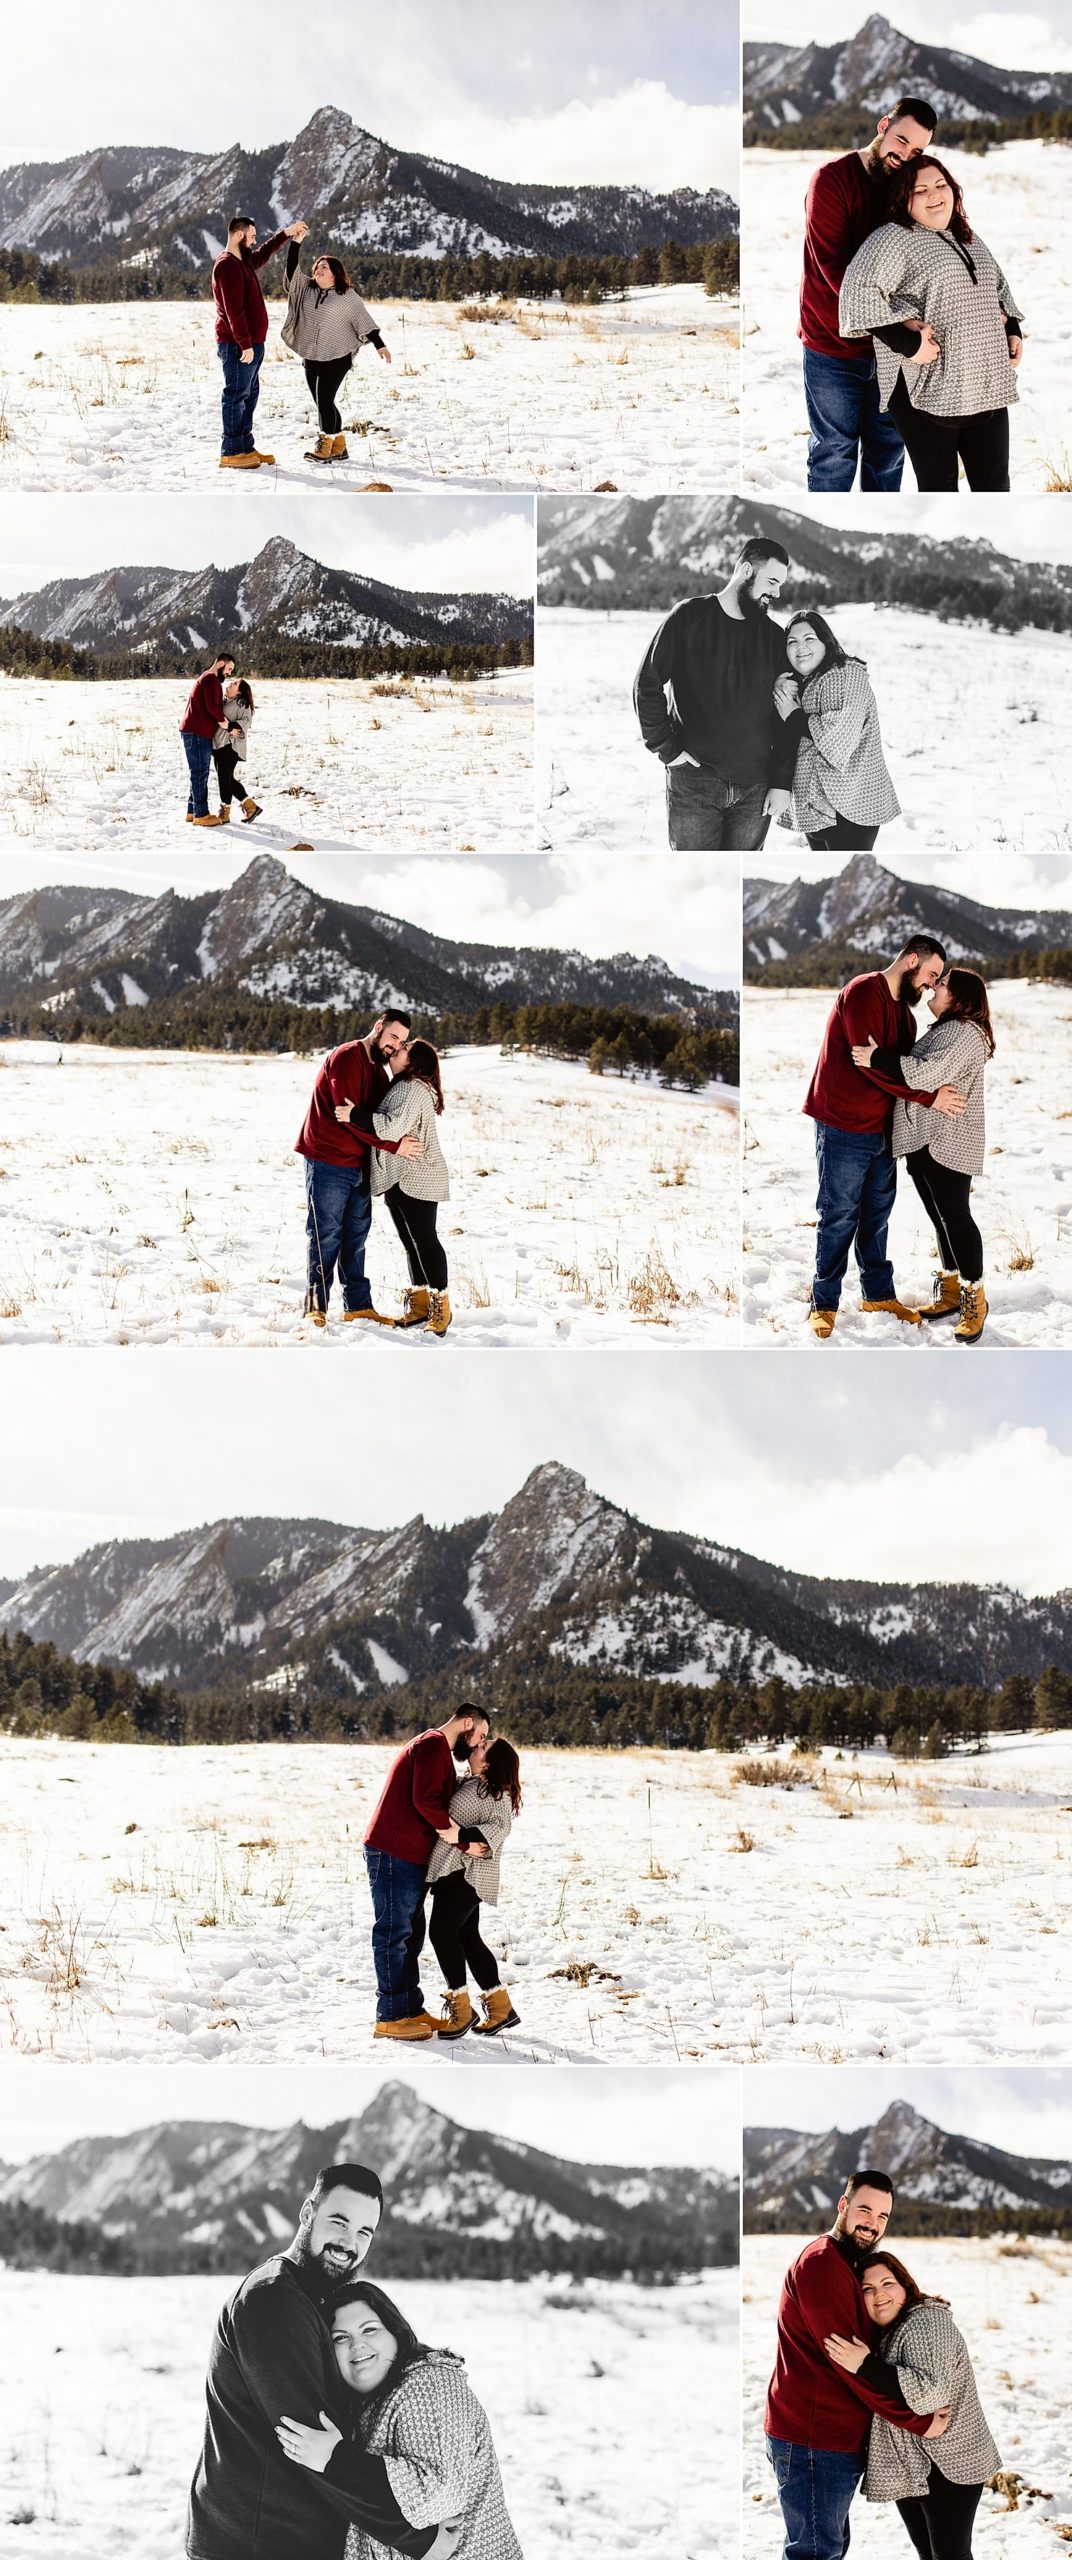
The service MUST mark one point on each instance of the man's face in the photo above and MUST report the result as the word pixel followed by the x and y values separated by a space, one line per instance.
pixel 922 975
pixel 763 584
pixel 224 667
pixel 246 239
pixel 336 2235
pixel 390 1045
pixel 896 143
pixel 476 1731
pixel 862 2218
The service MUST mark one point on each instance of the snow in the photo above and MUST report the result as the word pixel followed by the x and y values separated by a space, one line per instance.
pixel 996 706
pixel 1010 2299
pixel 435 765
pixel 210 1905
pixel 1019 198
pixel 155 1196
pixel 543 395
pixel 103 2381
pixel 1022 1200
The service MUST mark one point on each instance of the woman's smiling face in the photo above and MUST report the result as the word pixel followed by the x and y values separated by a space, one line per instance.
pixel 883 2295
pixel 931 201
pixel 364 2350
pixel 804 649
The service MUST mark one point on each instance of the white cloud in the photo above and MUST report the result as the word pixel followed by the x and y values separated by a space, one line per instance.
pixel 1021 39
pixel 641 135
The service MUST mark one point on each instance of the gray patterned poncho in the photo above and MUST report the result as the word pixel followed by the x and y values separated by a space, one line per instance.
pixel 436 2441
pixel 954 1052
pixel 840 768
pixel 934 2370
pixel 916 274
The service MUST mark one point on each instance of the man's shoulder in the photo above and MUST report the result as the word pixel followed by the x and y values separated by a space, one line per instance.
pixel 836 178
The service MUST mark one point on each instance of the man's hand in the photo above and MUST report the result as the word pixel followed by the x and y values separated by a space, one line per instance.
pixel 849 2353
pixel 683 758
pixel 949 1102
pixel 786 695
pixel 411 1145
pixel 928 350
pixel 449 1833
pixel 776 803
pixel 311 2446
pixel 245 355
pixel 344 1110
pixel 447 2541
pixel 297 231
pixel 938 2424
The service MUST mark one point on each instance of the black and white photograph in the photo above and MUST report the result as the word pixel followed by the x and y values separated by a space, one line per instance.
pixel 906 192
pixel 339 2321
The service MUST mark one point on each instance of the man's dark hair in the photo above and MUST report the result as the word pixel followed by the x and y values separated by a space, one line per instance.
pixel 240 222
pixel 870 2178
pixel 919 109
pixel 404 1018
pixel 924 946
pixel 224 657
pixel 759 547
pixel 346 2173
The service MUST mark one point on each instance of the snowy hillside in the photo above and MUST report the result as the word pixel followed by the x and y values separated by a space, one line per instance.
pixel 784 83
pixel 641 393
pixel 159 1199
pixel 212 1905
pixel 435 764
pixel 867 909
pixel 1022 1199
pixel 791 2177
pixel 1019 199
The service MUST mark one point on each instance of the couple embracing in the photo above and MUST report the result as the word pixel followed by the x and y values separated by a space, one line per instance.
pixel 371 1132
pixel 439 1830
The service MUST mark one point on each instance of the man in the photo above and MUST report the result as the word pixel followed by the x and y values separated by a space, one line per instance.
pixel 337 1194
pixel 241 330
pixel 704 697
pixel 844 203
pixel 412 1813
pixel 197 728
pixel 853 1115
pixel 272 2357
pixel 817 2415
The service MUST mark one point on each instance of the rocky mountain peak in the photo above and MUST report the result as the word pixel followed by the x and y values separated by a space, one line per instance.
pixel 553 1538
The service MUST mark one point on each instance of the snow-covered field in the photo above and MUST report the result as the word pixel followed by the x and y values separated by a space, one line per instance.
pixel 1012 2300
pixel 103 2388
pixel 1022 1200
pixel 990 765
pixel 643 392
pixel 435 766
pixel 155 1196
pixel 211 1905
pixel 1019 198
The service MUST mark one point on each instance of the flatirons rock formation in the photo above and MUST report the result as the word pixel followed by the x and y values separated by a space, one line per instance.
pixel 793 2180
pixel 786 84
pixel 867 910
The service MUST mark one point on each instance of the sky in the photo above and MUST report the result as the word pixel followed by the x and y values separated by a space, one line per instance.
pixel 641 90
pixel 595 901
pixel 1022 39
pixel 1033 528
pixel 1027 2111
pixel 674 2118
pixel 440 545
pixel 967 1478
pixel 1015 877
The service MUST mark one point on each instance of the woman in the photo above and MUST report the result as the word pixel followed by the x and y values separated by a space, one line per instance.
pixel 229 747
pixel 842 793
pixel 485 1803
pixel 943 1155
pixel 412 1187
pixel 327 325
pixel 938 2483
pixel 414 2409
pixel 948 335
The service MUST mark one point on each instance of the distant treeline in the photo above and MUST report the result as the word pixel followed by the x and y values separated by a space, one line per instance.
pixel 848 128
pixel 614 1039
pixel 576 277
pixel 918 2221
pixel 835 962
pixel 534 1694
pixel 261 654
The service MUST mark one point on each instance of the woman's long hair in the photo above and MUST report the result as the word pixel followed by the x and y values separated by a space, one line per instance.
pixel 914 2293
pixel 245 695
pixel 897 201
pixel 339 275
pixel 501 1774
pixel 833 653
pixel 423 1063
pixel 971 1003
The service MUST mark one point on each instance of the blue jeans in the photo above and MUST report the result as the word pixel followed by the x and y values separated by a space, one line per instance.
pixel 397 1891
pixel 857 1189
pixel 338 1215
pixel 199 759
pixel 847 425
pixel 706 814
pixel 815 2491
pixel 241 385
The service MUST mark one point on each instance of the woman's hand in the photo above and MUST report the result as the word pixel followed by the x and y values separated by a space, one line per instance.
pixel 786 695
pixel 849 2353
pixel 928 350
pixel 384 354
pixel 1016 349
pixel 311 2446
pixel 863 1052
pixel 344 1111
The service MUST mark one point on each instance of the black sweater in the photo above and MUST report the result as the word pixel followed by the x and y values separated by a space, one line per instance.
pixel 706 685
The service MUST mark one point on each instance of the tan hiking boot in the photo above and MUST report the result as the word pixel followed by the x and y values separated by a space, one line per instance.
pixel 440 1316
pixel 225 813
pixel 365 1315
pixel 205 822
pixel 416 1308
pixel 338 449
pixel 262 457
pixel 404 2030
pixel 889 1307
pixel 322 451
pixel 822 1321
pixel 973 1311
pixel 457 2016
pixel 945 1297
pixel 250 809
pixel 241 461
pixel 498 2013
pixel 317 1316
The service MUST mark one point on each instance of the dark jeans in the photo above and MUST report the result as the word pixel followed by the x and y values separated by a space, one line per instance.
pixel 241 386
pixel 857 1190
pixel 397 1891
pixel 815 2492
pixel 454 1929
pixel 936 445
pixel 844 836
pixel 940 2525
pixel 324 382
pixel 847 425
pixel 946 1197
pixel 227 765
pixel 199 760
pixel 337 1220
pixel 414 1222
pixel 707 815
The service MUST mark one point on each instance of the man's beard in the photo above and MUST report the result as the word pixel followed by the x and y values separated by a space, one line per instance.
pixel 380 1056
pixel 856 2242
pixel 322 2281
pixel 752 605
pixel 462 1748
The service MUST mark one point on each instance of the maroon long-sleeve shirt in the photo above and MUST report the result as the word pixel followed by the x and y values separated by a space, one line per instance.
pixel 415 1802
pixel 204 710
pixel 812 2401
pixel 840 1093
pixel 843 206
pixel 348 1074
pixel 241 310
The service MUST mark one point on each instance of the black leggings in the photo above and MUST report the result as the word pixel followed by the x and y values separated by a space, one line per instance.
pixel 226 763
pixel 940 2525
pixel 454 1929
pixel 844 836
pixel 415 1223
pixel 934 445
pixel 325 382
pixel 946 1198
